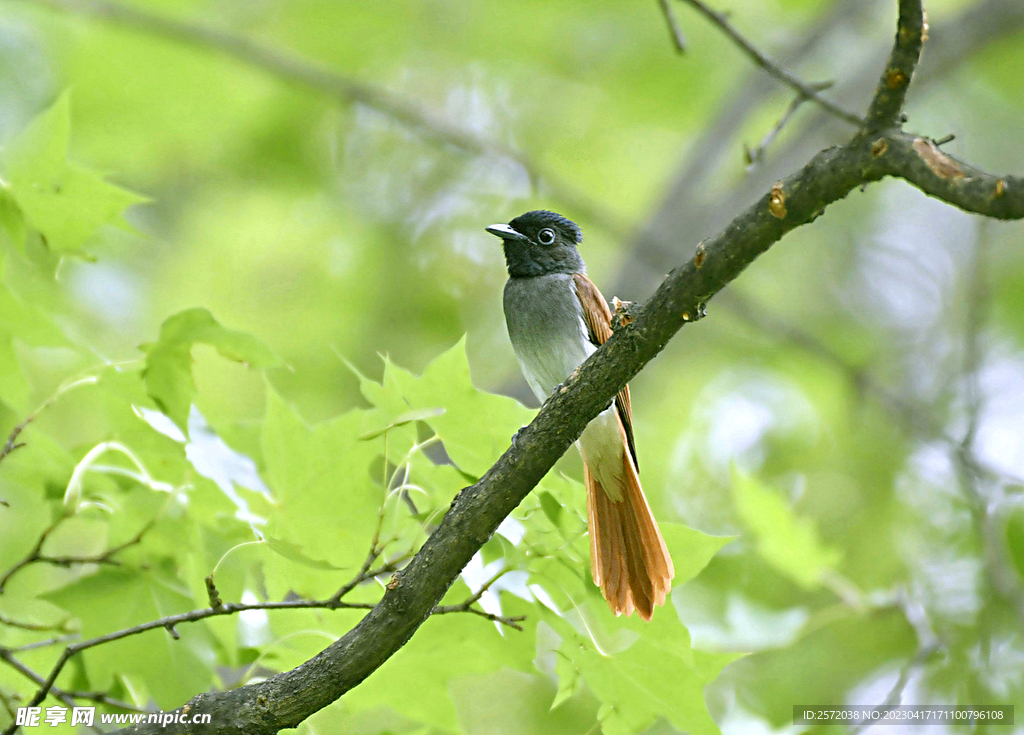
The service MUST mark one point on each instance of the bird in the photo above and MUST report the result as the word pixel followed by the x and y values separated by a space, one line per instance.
pixel 556 318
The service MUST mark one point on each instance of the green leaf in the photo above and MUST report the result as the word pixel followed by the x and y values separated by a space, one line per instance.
pixel 639 671
pixel 168 372
pixel 20 322
pixel 551 507
pixel 447 648
pixel 326 502
pixel 658 675
pixel 569 681
pixel 476 427
pixel 292 551
pixel 787 542
pixel 421 414
pixel 511 702
pixel 12 220
pixel 690 549
pixel 65 202
pixel 115 599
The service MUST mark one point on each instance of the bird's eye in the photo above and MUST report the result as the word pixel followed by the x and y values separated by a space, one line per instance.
pixel 546 236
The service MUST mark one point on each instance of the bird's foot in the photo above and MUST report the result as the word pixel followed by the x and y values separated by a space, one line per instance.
pixel 623 313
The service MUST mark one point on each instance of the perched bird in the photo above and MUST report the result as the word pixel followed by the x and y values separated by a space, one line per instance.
pixel 556 319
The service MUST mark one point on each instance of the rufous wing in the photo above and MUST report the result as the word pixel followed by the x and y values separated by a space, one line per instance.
pixel 598 318
pixel 628 557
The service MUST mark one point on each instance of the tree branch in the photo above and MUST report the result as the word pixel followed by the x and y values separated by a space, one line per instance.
pixel 218 608
pixel 36 556
pixel 169 623
pixel 912 417
pixel 684 208
pixel 286 699
pixel 674 31
pixel 756 155
pixel 467 605
pixel 31 557
pixel 891 93
pixel 63 695
pixel 771 66
pixel 29 626
pixel 12 442
pixel 919 161
pixel 297 70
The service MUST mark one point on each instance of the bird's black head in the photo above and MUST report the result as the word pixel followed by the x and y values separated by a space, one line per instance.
pixel 539 243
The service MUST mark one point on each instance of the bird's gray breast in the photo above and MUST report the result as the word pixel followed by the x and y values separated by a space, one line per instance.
pixel 546 327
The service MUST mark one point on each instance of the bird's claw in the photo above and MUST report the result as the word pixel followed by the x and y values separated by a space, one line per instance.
pixel 623 313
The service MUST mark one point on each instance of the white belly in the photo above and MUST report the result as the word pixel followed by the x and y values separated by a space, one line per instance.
pixel 550 339
pixel 603 447
pixel 545 325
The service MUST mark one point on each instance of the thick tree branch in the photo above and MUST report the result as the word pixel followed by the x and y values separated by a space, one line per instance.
pixel 923 164
pixel 286 699
pixel 218 609
pixel 891 93
pixel 951 43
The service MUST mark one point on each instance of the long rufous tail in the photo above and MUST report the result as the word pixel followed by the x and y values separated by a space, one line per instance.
pixel 628 557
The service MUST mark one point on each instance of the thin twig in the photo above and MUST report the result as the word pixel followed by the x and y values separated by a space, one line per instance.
pixel 36 556
pixel 21 668
pixel 755 156
pixel 32 556
pixel 44 643
pixel 927 645
pixel 512 621
pixel 169 623
pixel 467 605
pixel 8 703
pixel 64 695
pixel 771 66
pixel 104 558
pixel 895 695
pixel 1002 579
pixel 365 573
pixel 914 418
pixel 685 206
pixel 674 31
pixel 376 549
pixel 12 439
pixel 28 626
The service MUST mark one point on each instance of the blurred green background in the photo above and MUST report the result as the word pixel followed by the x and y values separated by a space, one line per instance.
pixel 868 370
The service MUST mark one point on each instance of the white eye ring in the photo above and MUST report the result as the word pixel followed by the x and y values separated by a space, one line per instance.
pixel 546 236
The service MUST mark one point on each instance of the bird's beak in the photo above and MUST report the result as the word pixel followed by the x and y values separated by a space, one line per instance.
pixel 506 233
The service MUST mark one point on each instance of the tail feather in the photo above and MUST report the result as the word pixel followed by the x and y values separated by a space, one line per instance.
pixel 628 557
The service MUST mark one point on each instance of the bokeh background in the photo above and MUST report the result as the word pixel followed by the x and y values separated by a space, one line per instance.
pixel 869 369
